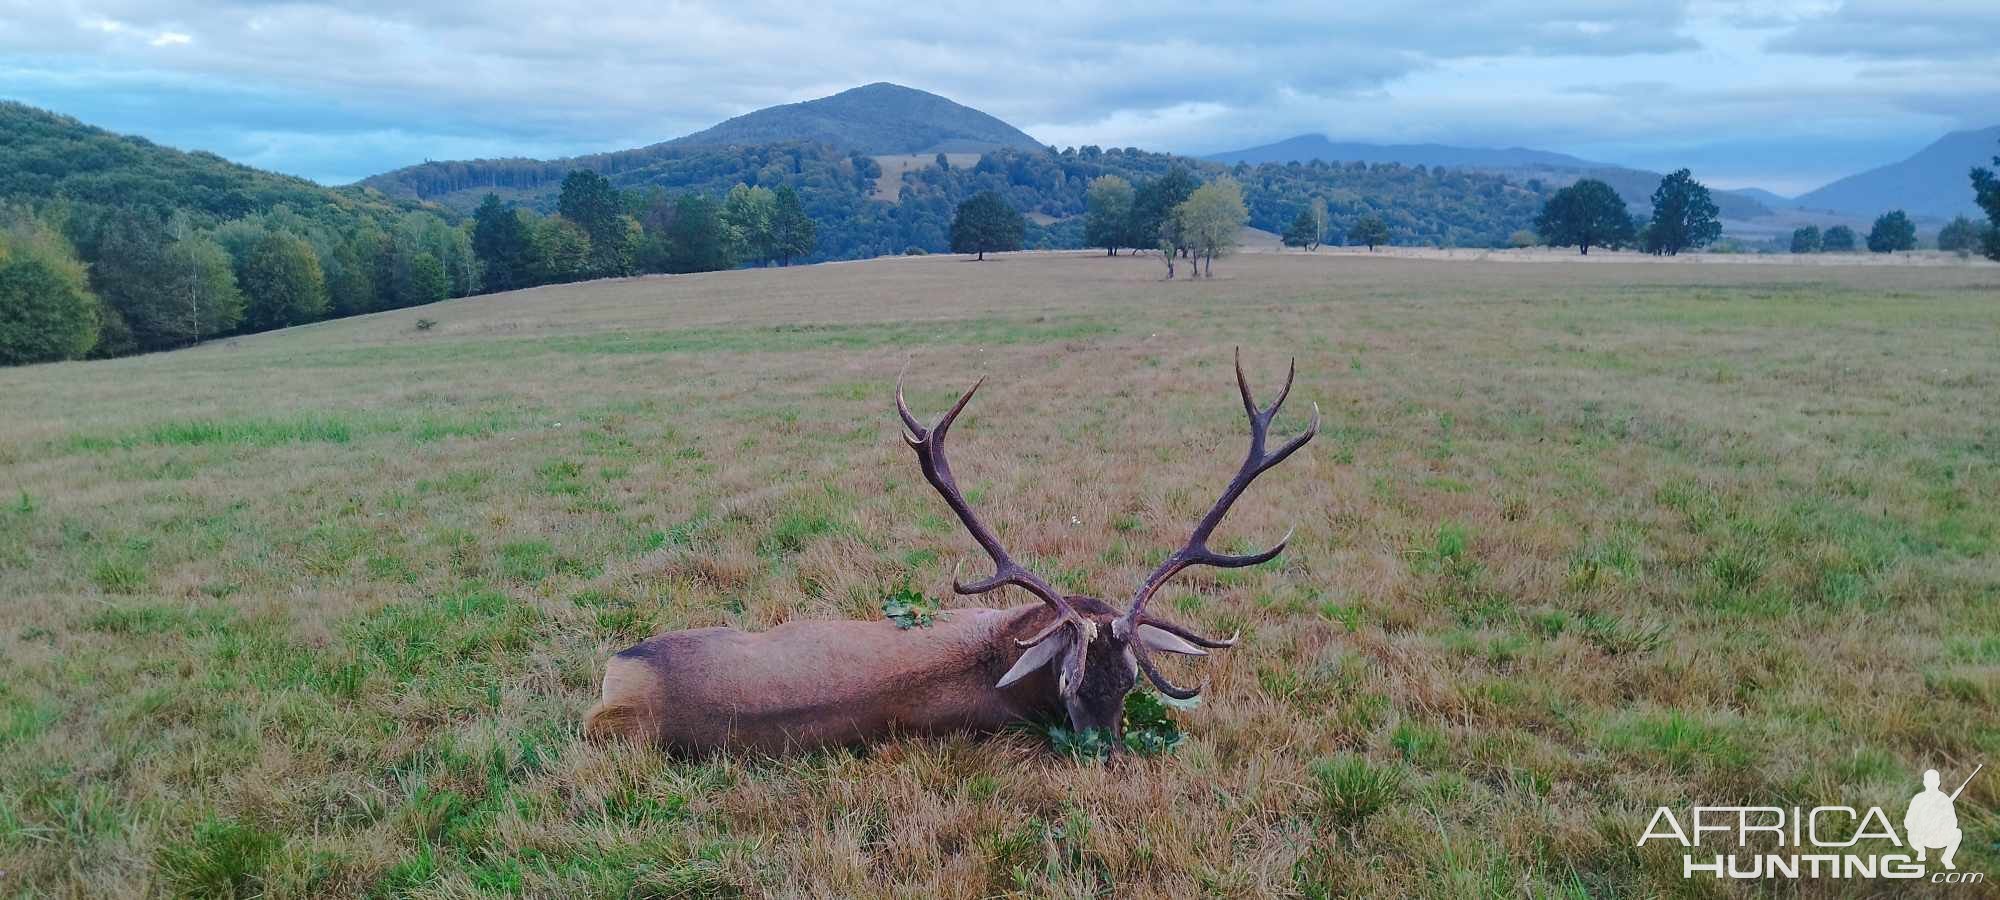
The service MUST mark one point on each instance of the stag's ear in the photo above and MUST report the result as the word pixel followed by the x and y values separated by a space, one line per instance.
pixel 1037 656
pixel 1167 642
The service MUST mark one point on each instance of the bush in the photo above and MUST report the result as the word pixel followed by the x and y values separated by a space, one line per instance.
pixel 915 251
pixel 1522 239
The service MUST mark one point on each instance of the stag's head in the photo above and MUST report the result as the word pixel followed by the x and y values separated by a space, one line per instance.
pixel 1095 650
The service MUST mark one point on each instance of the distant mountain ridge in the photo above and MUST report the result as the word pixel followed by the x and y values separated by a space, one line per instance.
pixel 1516 163
pixel 879 118
pixel 1306 147
pixel 1932 182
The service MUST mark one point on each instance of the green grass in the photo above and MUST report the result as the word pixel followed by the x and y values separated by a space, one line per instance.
pixel 317 613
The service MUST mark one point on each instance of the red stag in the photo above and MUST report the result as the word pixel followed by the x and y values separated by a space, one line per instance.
pixel 816 683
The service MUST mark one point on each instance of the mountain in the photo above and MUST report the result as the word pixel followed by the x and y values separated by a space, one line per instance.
pixel 879 118
pixel 1768 198
pixel 1933 182
pixel 1308 147
pixel 1517 163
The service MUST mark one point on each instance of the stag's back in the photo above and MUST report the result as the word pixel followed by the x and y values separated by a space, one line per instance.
pixel 816 683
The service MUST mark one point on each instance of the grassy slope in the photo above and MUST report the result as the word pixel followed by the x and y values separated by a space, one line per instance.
pixel 317 612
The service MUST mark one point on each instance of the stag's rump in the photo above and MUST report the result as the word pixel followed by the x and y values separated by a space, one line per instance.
pixel 808 683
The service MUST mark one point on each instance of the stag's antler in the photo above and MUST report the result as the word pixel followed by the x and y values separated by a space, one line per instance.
pixel 1195 552
pixel 929 446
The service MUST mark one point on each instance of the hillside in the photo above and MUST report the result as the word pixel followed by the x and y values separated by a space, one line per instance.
pixel 877 118
pixel 1931 183
pixel 1308 147
pixel 182 247
pixel 1517 163
pixel 46 156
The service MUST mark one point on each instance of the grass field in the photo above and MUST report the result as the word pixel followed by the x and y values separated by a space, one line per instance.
pixel 318 612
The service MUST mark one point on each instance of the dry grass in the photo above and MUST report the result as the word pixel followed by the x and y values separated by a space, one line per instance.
pixel 316 613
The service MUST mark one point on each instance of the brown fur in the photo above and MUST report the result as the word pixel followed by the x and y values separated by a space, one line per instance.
pixel 819 683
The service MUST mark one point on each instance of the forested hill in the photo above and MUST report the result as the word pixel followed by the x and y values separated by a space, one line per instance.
pixel 1421 205
pixel 47 157
pixel 878 118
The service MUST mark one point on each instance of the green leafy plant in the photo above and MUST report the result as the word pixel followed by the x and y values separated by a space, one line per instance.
pixel 1351 788
pixel 1149 729
pixel 909 608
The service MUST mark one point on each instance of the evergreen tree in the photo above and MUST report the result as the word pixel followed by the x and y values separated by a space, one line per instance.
pixel 1893 231
pixel 700 240
pixel 1684 215
pixel 794 234
pixel 1303 232
pixel 283 281
pixel 1805 239
pixel 504 243
pixel 1370 230
pixel 1585 214
pixel 986 224
pixel 589 201
pixel 47 311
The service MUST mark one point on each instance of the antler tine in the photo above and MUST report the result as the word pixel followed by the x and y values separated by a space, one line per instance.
pixel 928 444
pixel 1256 462
pixel 1159 680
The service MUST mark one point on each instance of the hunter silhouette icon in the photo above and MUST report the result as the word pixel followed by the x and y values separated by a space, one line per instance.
pixel 1931 822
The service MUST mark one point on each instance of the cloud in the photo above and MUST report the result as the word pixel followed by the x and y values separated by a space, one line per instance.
pixel 1924 30
pixel 334 90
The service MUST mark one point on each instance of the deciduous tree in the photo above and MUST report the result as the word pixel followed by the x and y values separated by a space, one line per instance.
pixel 1107 217
pixel 1586 214
pixel 47 311
pixel 1893 231
pixel 1212 221
pixel 1805 239
pixel 986 224
pixel 1837 239
pixel 1960 235
pixel 1370 230
pixel 283 282
pixel 1684 215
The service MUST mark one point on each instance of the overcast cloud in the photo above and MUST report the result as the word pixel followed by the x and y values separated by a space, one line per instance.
pixel 1784 94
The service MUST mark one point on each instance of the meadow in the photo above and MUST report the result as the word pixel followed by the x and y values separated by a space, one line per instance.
pixel 318 612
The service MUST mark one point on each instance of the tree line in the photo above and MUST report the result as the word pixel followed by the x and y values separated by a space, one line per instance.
pixel 88 280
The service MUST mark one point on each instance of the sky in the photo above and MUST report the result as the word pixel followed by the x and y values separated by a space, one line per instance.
pixel 1784 95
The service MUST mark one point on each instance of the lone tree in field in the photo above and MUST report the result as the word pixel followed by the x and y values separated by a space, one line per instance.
pixel 1806 239
pixel 1303 232
pixel 1684 216
pixel 1838 239
pixel 1585 214
pixel 1212 221
pixel 1893 231
pixel 1959 235
pixel 1986 191
pixel 1107 218
pixel 1371 230
pixel 986 224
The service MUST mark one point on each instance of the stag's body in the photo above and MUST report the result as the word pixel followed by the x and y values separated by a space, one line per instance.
pixel 818 683
pixel 807 684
